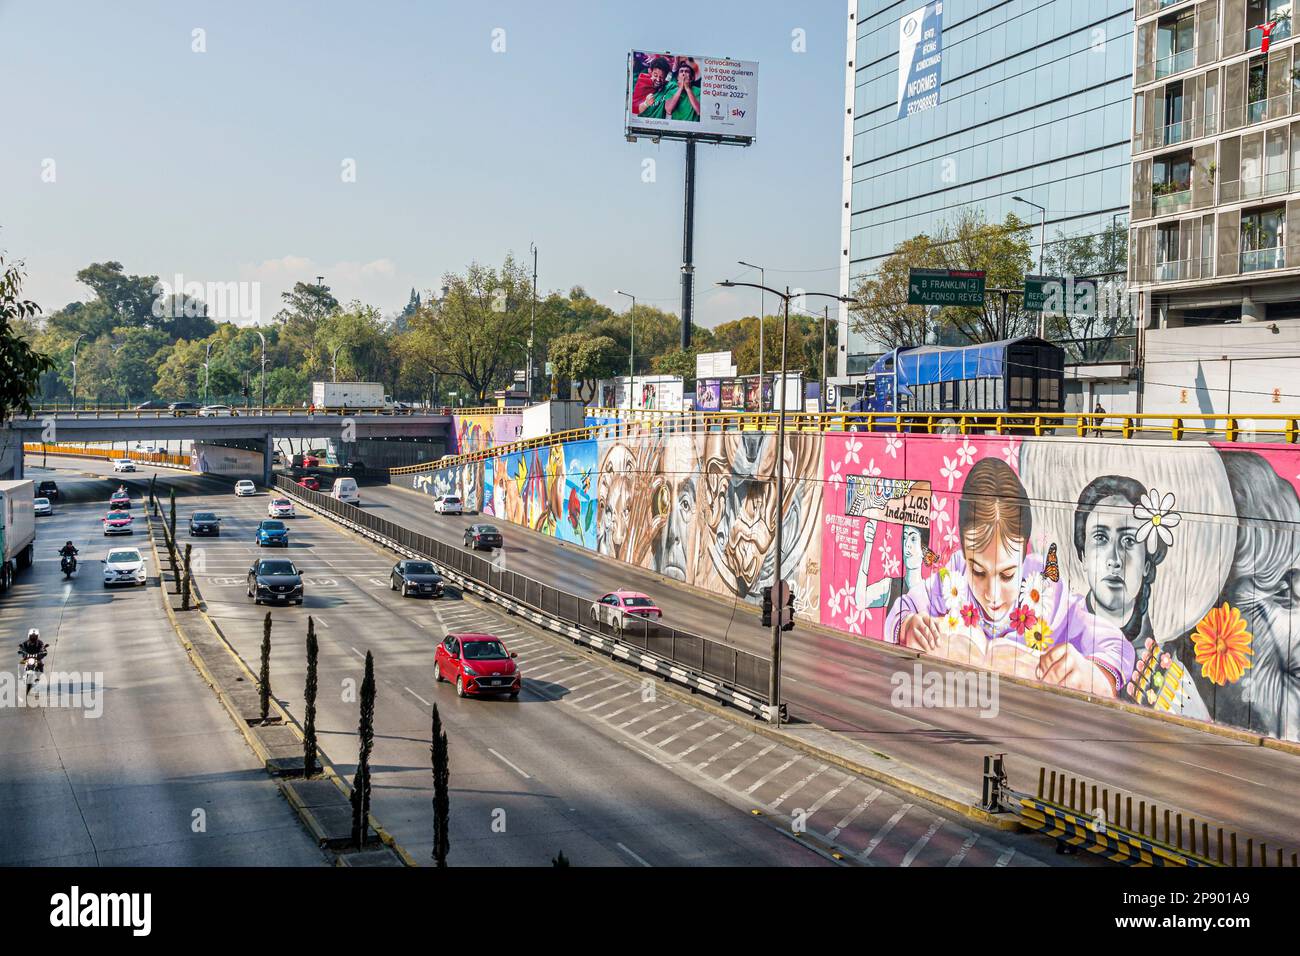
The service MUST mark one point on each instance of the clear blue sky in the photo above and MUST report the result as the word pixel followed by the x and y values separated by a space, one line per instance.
pixel 225 165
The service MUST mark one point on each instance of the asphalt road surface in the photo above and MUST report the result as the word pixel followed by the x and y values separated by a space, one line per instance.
pixel 845 686
pixel 140 765
pixel 591 760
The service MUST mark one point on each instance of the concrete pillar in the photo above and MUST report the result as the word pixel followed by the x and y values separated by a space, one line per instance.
pixel 267 459
pixel 1251 311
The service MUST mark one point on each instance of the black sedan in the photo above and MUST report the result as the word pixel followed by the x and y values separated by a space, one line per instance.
pixel 482 537
pixel 415 579
pixel 205 523
pixel 47 489
pixel 275 580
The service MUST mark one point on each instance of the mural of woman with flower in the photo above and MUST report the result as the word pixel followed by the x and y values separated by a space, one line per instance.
pixel 992 588
pixel 1244 654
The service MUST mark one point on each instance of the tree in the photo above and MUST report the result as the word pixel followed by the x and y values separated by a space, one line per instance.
pixel 478 331
pixel 1001 251
pixel 581 357
pixel 1089 327
pixel 439 754
pixel 310 750
pixel 656 332
pixel 21 366
pixel 129 299
pixel 264 675
pixel 366 737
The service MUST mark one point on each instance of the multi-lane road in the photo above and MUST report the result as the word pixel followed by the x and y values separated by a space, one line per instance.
pixel 139 764
pixel 591 760
pixel 845 686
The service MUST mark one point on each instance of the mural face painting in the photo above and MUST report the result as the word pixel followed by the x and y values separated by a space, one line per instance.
pixel 1165 575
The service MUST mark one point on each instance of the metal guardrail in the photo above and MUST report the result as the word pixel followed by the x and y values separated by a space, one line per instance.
pixel 733 676
pixel 108 454
pixel 1232 428
pixel 1111 823
pixel 117 414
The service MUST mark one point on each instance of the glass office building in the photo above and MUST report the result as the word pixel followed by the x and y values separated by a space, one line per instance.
pixel 1035 99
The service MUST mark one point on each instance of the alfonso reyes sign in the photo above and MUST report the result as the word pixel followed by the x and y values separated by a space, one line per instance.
pixel 920 52
pixel 892 500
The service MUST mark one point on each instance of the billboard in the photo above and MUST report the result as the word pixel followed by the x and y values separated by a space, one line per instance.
pixel 920 53
pixel 687 97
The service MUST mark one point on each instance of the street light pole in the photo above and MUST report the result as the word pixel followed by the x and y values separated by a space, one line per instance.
pixel 774 676
pixel 1042 243
pixel 821 389
pixel 263 338
pixel 631 352
pixel 75 343
pixel 334 362
pixel 762 308
pixel 532 322
pixel 207 359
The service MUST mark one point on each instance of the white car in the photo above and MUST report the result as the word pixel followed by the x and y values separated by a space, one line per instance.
pixel 345 490
pixel 244 489
pixel 124 464
pixel 216 411
pixel 280 508
pixel 42 506
pixel 125 566
pixel 448 505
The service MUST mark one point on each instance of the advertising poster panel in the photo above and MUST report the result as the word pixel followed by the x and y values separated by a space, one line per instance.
pixel 920 56
pixel 691 96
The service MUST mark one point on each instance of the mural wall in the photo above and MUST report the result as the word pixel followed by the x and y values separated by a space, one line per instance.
pixel 480 432
pixel 1163 574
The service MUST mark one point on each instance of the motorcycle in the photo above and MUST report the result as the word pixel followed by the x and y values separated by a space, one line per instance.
pixel 31 669
pixel 68 565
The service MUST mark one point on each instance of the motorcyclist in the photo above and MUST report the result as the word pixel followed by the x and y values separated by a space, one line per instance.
pixel 34 647
pixel 69 554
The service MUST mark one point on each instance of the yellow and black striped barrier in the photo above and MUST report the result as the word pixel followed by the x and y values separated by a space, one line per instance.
pixel 1120 827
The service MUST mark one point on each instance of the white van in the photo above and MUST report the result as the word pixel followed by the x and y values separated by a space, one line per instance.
pixel 345 490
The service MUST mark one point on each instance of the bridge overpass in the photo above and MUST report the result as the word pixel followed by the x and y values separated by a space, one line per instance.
pixel 249 430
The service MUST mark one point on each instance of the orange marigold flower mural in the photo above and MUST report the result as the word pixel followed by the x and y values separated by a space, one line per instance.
pixel 1222 645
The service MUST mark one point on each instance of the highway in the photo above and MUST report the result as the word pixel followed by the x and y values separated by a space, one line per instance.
pixel 845 686
pixel 591 760
pixel 147 768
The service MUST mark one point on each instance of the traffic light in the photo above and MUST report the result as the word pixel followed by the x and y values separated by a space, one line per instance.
pixel 787 612
pixel 767 607
pixel 244 391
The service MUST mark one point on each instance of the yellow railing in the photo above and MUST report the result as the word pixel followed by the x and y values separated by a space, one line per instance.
pixel 108 454
pixel 1232 428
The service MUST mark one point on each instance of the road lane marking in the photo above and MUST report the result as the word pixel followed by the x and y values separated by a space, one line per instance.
pixel 884 831
pixel 604 703
pixel 662 723
pixel 667 740
pixel 1005 858
pixel 417 697
pixel 739 743
pixel 628 723
pixel 799 786
pixel 509 764
pixel 853 814
pixel 965 848
pixel 1224 773
pixel 919 845
pixel 701 743
pixel 827 797
pixel 631 854
pixel 764 779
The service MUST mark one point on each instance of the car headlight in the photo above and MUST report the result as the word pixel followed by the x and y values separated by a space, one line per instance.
pixel 470 671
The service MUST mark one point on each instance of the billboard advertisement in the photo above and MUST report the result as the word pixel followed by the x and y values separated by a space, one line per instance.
pixel 691 96
pixel 920 54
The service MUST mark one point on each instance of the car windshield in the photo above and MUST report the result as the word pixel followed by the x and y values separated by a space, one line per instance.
pixel 118 516
pixel 419 567
pixel 204 516
pixel 272 525
pixel 282 502
pixel 638 602
pixel 484 651
pixel 41 502
pixel 276 567
pixel 451 500
pixel 122 557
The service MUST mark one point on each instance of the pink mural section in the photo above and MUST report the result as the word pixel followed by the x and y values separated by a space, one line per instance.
pixel 1161 574
pixel 481 432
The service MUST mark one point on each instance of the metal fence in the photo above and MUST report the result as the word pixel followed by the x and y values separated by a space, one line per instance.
pixel 699 655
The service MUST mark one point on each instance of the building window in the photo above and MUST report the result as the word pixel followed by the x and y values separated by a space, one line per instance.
pixel 1263 239
pixel 1174 44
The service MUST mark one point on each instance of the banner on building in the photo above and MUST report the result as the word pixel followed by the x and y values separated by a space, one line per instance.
pixel 920 54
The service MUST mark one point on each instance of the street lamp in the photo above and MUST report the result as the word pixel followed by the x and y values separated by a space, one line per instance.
pixel 334 362
pixel 75 343
pixel 532 321
pixel 1042 241
pixel 207 357
pixel 631 352
pixel 774 680
pixel 263 338
pixel 762 307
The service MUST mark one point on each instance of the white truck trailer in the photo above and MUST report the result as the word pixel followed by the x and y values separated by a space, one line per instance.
pixel 350 396
pixel 18 526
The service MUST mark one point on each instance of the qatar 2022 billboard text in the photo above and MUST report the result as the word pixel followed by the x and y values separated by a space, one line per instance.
pixel 691 97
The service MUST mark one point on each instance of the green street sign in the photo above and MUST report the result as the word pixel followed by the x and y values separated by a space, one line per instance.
pixel 1036 292
pixel 945 287
pixel 1058 296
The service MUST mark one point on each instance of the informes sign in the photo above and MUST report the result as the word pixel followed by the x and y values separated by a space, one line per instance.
pixel 691 97
pixel 920 53
pixel 945 287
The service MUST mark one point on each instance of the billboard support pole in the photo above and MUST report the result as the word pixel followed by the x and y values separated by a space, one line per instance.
pixel 688 246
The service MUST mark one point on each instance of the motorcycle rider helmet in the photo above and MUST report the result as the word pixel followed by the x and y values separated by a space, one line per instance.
pixel 33 633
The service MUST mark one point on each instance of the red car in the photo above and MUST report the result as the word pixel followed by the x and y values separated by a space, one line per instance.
pixel 477 664
pixel 310 481
pixel 118 522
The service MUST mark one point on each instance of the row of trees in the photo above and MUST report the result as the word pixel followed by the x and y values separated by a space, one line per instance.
pixel 465 342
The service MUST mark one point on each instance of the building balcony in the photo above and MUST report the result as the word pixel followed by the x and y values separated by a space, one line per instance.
pixel 1175 63
pixel 1182 270
pixel 1258 187
pixel 1257 260
pixel 1172 200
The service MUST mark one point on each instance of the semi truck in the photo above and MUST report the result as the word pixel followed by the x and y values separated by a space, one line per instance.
pixel 350 397
pixel 18 528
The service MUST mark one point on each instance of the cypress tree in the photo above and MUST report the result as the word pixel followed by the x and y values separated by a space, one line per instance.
pixel 309 747
pixel 264 678
pixel 366 739
pixel 441 793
